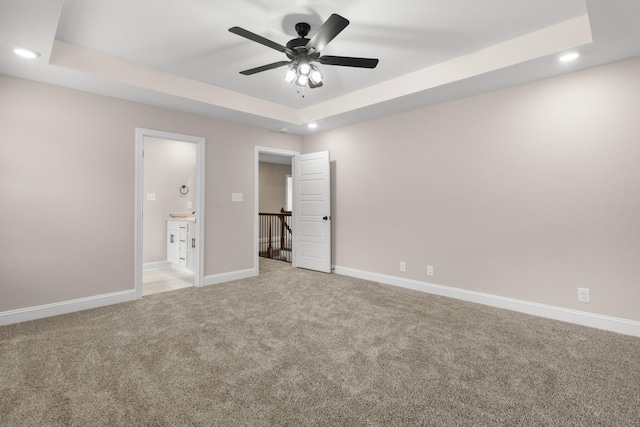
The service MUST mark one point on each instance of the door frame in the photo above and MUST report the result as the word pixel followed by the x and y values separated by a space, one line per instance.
pixel 141 133
pixel 256 199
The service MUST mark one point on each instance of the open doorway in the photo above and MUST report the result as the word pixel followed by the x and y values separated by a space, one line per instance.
pixel 169 211
pixel 168 221
pixel 273 209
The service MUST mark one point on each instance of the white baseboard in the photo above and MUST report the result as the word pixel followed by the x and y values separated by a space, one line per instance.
pixel 215 279
pixel 156 265
pixel 608 323
pixel 64 307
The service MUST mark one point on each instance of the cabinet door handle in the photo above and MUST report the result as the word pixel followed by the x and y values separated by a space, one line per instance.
pixel 171 238
pixel 193 242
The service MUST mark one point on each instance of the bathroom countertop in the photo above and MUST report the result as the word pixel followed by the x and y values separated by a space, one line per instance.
pixel 181 216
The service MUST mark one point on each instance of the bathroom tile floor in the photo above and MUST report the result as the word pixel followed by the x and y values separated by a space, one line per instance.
pixel 169 279
pixel 165 279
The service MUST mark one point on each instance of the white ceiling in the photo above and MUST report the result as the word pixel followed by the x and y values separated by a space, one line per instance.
pixel 179 53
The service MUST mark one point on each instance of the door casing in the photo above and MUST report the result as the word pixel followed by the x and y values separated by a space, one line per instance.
pixel 141 133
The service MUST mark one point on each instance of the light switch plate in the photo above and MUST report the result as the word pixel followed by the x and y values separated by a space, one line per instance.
pixel 236 197
pixel 151 197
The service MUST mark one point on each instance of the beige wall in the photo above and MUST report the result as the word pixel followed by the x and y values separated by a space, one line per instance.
pixel 273 186
pixel 168 165
pixel 528 192
pixel 67 163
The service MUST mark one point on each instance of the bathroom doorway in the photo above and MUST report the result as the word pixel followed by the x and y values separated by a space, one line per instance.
pixel 169 211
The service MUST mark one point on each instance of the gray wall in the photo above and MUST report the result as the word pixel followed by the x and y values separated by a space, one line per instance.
pixel 67 185
pixel 528 192
pixel 273 186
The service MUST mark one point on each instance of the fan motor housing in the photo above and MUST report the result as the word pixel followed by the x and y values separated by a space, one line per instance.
pixel 297 45
pixel 303 28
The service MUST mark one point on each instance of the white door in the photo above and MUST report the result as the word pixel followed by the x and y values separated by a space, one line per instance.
pixel 312 212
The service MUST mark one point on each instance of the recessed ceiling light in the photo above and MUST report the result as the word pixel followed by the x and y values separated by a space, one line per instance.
pixel 569 57
pixel 26 53
pixel 312 125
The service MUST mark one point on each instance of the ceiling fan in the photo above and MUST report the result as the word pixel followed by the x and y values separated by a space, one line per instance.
pixel 303 52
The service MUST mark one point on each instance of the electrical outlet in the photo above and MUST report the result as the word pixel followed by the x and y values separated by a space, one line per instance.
pixel 429 270
pixel 403 266
pixel 583 295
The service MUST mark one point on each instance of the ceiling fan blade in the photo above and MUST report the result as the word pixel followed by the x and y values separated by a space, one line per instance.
pixel 313 86
pixel 347 61
pixel 265 68
pixel 258 39
pixel 327 32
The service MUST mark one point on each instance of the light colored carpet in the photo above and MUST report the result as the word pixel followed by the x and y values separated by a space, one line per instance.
pixel 297 348
pixel 270 265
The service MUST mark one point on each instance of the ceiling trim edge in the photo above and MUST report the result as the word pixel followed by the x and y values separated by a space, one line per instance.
pixel 557 38
pixel 566 35
pixel 117 69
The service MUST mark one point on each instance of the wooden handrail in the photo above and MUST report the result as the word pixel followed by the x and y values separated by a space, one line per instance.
pixel 281 216
pixel 267 219
pixel 285 213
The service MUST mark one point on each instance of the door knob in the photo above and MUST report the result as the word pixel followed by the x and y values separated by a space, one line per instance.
pixel 326 218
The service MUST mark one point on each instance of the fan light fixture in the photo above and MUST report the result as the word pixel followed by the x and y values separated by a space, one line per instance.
pixel 303 74
pixel 291 74
pixel 315 76
pixel 304 68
